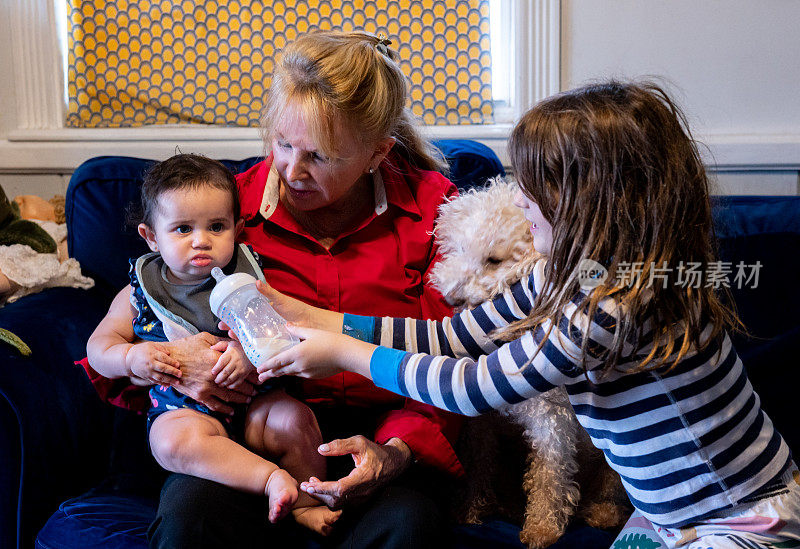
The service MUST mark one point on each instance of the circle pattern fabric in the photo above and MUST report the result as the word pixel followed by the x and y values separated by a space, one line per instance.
pixel 142 62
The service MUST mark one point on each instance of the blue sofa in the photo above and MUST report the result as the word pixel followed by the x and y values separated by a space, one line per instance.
pixel 76 472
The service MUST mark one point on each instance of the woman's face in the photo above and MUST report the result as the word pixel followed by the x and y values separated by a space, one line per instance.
pixel 541 229
pixel 310 179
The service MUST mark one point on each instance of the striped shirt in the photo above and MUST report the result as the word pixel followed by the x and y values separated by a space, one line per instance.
pixel 687 443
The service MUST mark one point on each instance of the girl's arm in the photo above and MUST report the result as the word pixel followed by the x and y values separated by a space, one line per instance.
pixel 454 364
pixel 466 334
pixel 112 352
pixel 478 375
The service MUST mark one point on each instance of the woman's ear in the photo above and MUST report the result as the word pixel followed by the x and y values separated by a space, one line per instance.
pixel 381 150
pixel 149 236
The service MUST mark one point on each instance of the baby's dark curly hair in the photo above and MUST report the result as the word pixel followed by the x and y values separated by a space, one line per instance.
pixel 183 171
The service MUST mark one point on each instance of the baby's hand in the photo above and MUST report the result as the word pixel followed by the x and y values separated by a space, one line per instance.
pixel 151 361
pixel 232 367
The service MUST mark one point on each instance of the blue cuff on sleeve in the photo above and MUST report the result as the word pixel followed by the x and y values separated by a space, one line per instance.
pixel 384 367
pixel 359 327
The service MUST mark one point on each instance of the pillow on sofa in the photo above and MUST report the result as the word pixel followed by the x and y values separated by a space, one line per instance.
pixel 765 230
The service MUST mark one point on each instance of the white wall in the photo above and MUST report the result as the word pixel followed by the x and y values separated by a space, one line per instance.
pixel 734 66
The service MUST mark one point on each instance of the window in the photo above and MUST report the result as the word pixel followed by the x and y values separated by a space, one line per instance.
pixel 140 62
pixel 38 139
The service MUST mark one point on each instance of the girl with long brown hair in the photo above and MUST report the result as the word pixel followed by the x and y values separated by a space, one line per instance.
pixel 617 196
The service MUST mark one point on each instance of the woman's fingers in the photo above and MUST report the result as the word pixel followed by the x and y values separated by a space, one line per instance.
pixel 342 446
pixel 217 405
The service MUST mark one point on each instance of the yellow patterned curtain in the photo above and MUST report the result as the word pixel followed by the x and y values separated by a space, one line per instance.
pixel 139 62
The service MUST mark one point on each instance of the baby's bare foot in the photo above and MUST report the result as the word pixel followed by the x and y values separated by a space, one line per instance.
pixel 282 493
pixel 318 519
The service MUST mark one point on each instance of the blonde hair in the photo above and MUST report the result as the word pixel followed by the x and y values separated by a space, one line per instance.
pixel 616 172
pixel 331 77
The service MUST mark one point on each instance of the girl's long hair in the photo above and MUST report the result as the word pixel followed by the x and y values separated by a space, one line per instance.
pixel 351 78
pixel 615 171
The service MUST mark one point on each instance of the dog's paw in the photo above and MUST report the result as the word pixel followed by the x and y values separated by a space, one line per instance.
pixel 605 515
pixel 539 536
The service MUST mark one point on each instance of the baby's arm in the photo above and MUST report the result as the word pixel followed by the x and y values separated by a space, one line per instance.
pixel 112 352
pixel 232 367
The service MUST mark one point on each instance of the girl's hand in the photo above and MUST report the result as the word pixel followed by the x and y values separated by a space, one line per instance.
pixel 297 312
pixel 151 361
pixel 232 366
pixel 320 354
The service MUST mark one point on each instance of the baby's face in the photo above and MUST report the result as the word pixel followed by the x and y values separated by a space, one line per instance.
pixel 194 231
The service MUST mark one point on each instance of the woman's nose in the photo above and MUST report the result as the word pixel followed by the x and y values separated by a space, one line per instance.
pixel 295 168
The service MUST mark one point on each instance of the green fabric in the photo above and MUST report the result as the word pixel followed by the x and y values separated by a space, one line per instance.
pixel 14 341
pixel 14 230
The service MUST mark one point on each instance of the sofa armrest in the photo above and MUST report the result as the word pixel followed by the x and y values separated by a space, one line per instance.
pixel 55 431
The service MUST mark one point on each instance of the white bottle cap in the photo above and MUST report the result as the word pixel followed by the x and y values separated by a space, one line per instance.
pixel 226 285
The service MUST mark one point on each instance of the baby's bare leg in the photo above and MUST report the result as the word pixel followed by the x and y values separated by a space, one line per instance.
pixel 187 441
pixel 286 430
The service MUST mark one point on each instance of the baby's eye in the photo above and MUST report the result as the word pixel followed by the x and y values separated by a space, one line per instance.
pixel 217 227
pixel 183 229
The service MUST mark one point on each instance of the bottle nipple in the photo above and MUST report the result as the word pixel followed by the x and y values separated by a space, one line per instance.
pixel 217 273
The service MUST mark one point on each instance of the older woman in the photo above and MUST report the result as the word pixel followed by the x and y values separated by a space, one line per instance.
pixel 342 212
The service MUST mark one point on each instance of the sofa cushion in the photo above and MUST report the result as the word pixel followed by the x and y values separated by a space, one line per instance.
pixel 471 163
pixel 99 520
pixel 766 229
pixel 54 431
pixel 100 193
pixel 102 519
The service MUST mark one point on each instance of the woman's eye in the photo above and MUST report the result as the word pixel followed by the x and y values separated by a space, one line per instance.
pixel 183 229
pixel 316 157
pixel 284 145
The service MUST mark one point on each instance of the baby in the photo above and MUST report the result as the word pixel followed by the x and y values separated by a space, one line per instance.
pixel 190 220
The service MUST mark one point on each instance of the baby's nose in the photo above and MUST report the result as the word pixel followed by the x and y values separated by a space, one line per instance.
pixel 201 239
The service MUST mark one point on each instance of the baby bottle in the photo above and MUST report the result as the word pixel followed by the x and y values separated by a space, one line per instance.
pixel 261 331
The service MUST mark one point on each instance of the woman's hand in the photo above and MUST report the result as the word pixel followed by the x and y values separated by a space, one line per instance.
pixel 320 354
pixel 375 466
pixel 197 355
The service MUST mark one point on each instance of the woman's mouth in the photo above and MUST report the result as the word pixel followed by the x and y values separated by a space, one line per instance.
pixel 298 193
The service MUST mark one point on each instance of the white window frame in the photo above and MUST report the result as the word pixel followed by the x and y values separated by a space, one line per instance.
pixel 41 142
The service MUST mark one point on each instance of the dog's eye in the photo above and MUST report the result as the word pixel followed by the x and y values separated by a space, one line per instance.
pixel 494 260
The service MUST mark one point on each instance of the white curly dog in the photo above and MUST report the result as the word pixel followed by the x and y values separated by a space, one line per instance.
pixel 485 246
